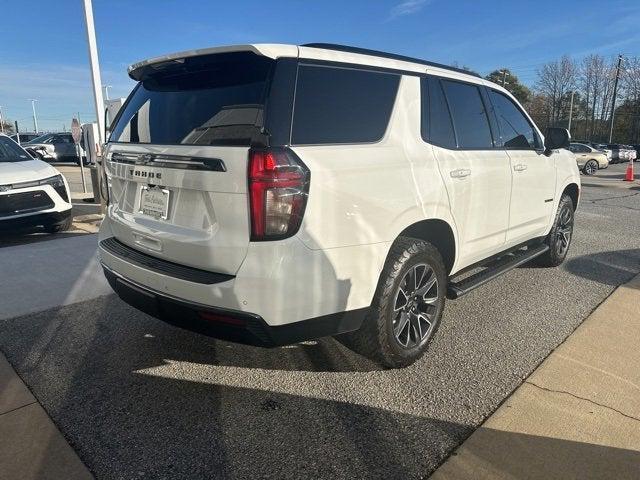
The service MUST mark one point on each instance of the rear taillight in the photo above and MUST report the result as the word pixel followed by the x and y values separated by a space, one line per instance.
pixel 278 190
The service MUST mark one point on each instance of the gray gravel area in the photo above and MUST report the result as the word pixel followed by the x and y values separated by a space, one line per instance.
pixel 140 399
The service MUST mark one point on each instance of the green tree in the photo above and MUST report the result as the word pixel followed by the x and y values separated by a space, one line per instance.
pixel 511 83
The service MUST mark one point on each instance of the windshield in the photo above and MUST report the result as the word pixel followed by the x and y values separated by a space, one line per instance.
pixel 11 152
pixel 41 138
pixel 209 100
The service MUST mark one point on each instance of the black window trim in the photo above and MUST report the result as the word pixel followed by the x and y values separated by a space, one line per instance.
pixel 526 117
pixel 305 62
pixel 480 87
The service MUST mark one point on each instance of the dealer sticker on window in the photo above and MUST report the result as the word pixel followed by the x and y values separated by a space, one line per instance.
pixel 154 202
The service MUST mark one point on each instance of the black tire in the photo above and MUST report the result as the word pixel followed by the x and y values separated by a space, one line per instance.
pixel 560 236
pixel 590 168
pixel 380 337
pixel 59 227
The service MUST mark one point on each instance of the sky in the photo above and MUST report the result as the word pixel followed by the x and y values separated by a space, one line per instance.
pixel 43 51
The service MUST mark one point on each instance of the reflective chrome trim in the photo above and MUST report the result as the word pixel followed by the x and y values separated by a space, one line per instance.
pixel 169 161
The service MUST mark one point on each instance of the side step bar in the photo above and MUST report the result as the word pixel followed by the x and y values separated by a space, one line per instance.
pixel 502 265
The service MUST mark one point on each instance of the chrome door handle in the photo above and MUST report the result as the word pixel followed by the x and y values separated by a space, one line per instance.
pixel 460 173
pixel 519 167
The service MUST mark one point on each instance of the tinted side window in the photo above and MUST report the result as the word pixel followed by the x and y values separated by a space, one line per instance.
pixel 439 122
pixel 515 129
pixel 340 105
pixel 469 116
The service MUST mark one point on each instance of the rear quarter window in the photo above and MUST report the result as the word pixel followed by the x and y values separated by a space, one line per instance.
pixel 208 100
pixel 335 105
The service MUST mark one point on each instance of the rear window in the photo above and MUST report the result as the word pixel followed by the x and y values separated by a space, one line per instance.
pixel 342 105
pixel 207 100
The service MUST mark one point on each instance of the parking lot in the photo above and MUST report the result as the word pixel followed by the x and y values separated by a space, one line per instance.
pixel 137 398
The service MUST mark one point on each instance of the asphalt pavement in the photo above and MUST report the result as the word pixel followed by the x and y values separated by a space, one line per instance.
pixel 137 398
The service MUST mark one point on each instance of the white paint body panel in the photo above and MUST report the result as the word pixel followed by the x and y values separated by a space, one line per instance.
pixel 31 171
pixel 361 198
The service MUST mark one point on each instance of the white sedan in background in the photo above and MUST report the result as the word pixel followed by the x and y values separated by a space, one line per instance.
pixel 32 192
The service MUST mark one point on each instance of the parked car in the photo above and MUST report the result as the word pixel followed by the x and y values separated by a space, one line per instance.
pixel 631 152
pixel 357 215
pixel 620 153
pixel 24 137
pixel 54 147
pixel 32 192
pixel 637 149
pixel 603 148
pixel 588 158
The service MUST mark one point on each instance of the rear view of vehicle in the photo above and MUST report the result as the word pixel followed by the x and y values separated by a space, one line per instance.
pixel 192 181
pixel 270 194
pixel 207 194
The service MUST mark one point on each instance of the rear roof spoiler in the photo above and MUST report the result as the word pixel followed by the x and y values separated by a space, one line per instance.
pixel 136 71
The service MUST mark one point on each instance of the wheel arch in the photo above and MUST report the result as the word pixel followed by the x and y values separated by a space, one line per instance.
pixel 573 190
pixel 439 233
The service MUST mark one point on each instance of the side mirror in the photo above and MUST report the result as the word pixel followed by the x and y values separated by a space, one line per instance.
pixel 556 138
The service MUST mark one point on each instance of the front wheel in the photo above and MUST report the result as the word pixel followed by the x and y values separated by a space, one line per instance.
pixel 61 226
pixel 407 307
pixel 591 167
pixel 560 236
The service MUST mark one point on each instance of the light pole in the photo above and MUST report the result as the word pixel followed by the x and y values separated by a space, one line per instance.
pixel 106 91
pixel 95 68
pixel 1 120
pixel 35 117
pixel 570 111
pixel 96 83
pixel 504 78
pixel 613 102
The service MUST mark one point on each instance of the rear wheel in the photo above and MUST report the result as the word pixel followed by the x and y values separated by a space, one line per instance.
pixel 407 307
pixel 560 236
pixel 590 168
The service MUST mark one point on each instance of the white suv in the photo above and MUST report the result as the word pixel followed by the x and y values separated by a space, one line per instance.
pixel 32 192
pixel 276 193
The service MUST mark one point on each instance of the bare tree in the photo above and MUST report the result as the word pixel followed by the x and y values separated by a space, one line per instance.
pixel 631 87
pixel 592 77
pixel 608 76
pixel 555 80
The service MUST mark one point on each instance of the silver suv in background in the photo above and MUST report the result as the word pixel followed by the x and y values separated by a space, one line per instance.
pixel 54 147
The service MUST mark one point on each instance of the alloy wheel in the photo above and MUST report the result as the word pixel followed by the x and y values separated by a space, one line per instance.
pixel 415 307
pixel 564 231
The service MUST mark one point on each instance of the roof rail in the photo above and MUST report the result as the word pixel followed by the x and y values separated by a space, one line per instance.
pixel 393 56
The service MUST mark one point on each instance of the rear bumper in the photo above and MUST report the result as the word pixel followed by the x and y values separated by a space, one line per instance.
pixel 226 324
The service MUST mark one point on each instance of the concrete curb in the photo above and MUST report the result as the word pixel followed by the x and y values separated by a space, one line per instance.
pixel 576 416
pixel 31 446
